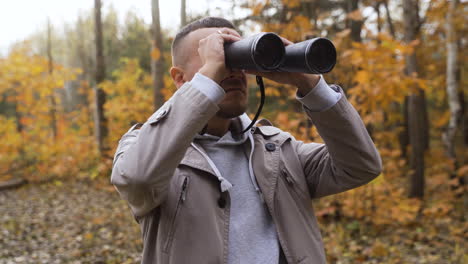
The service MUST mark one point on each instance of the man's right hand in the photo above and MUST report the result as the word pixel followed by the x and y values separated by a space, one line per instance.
pixel 211 52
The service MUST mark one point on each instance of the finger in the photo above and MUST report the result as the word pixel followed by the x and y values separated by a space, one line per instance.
pixel 286 42
pixel 230 31
pixel 229 38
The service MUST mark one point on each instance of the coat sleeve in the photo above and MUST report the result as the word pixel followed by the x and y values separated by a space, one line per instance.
pixel 348 158
pixel 146 158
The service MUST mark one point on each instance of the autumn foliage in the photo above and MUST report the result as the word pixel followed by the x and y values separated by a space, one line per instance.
pixel 44 140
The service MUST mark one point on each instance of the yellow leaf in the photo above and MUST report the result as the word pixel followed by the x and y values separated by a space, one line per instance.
pixel 88 236
pixel 443 120
pixel 362 77
pixel 155 54
pixel 292 3
pixel 58 183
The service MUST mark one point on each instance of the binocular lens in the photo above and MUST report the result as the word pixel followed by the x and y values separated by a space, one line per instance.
pixel 269 52
pixel 266 52
pixel 316 56
pixel 260 52
pixel 322 55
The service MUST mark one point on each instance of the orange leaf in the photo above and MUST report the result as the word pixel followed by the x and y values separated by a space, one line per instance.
pixel 257 9
pixel 355 15
pixel 463 171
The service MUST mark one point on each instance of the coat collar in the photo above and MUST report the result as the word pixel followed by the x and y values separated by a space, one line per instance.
pixel 268 131
pixel 195 159
pixel 266 128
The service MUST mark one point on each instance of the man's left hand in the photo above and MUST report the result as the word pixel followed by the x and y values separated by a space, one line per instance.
pixel 304 82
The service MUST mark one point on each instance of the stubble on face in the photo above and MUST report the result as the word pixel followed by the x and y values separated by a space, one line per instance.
pixel 236 99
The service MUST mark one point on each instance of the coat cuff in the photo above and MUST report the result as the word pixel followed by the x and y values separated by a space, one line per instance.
pixel 320 98
pixel 208 87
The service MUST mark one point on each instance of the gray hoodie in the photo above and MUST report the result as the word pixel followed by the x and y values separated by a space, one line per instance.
pixel 252 234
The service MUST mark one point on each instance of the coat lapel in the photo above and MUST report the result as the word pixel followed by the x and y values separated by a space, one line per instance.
pixel 195 159
pixel 266 160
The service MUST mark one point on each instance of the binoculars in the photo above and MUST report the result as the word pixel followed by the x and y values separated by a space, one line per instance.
pixel 266 52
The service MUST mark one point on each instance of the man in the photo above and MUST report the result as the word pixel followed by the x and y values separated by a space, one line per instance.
pixel 203 192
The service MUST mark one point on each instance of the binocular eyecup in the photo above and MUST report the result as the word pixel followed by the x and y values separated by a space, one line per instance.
pixel 266 52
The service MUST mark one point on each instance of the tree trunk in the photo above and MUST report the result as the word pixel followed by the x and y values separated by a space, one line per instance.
pixel 18 116
pixel 84 62
pixel 377 11
pixel 391 28
pixel 183 13
pixel 403 136
pixel 452 84
pixel 416 138
pixel 354 25
pixel 464 116
pixel 309 9
pixel 53 104
pixel 12 183
pixel 417 128
pixel 100 74
pixel 157 61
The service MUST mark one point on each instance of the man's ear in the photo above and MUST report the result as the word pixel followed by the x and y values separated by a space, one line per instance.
pixel 177 75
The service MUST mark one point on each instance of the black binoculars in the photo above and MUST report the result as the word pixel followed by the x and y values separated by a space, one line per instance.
pixel 266 52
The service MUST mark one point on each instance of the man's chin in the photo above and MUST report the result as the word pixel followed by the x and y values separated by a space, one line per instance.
pixel 228 112
pixel 229 115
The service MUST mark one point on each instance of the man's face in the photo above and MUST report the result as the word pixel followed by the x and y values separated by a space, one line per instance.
pixel 235 86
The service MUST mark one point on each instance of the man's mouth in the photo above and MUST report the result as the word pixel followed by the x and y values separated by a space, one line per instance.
pixel 233 84
pixel 235 90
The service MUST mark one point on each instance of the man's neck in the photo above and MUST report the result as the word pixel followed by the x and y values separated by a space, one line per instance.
pixel 218 126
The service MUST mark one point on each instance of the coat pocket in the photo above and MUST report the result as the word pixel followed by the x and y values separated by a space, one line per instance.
pixel 292 186
pixel 300 199
pixel 174 219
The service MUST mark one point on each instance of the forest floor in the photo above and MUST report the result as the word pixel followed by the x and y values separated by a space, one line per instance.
pixel 87 222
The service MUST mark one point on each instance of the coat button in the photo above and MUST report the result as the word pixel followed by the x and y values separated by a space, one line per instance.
pixel 221 202
pixel 270 146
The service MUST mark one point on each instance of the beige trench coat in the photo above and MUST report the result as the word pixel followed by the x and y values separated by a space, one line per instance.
pixel 175 197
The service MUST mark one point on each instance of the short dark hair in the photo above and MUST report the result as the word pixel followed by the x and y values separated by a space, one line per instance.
pixel 206 22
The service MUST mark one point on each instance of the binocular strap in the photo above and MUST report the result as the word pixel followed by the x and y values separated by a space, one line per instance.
pixel 260 107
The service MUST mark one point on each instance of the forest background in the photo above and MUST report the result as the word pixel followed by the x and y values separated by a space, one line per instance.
pixel 70 91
